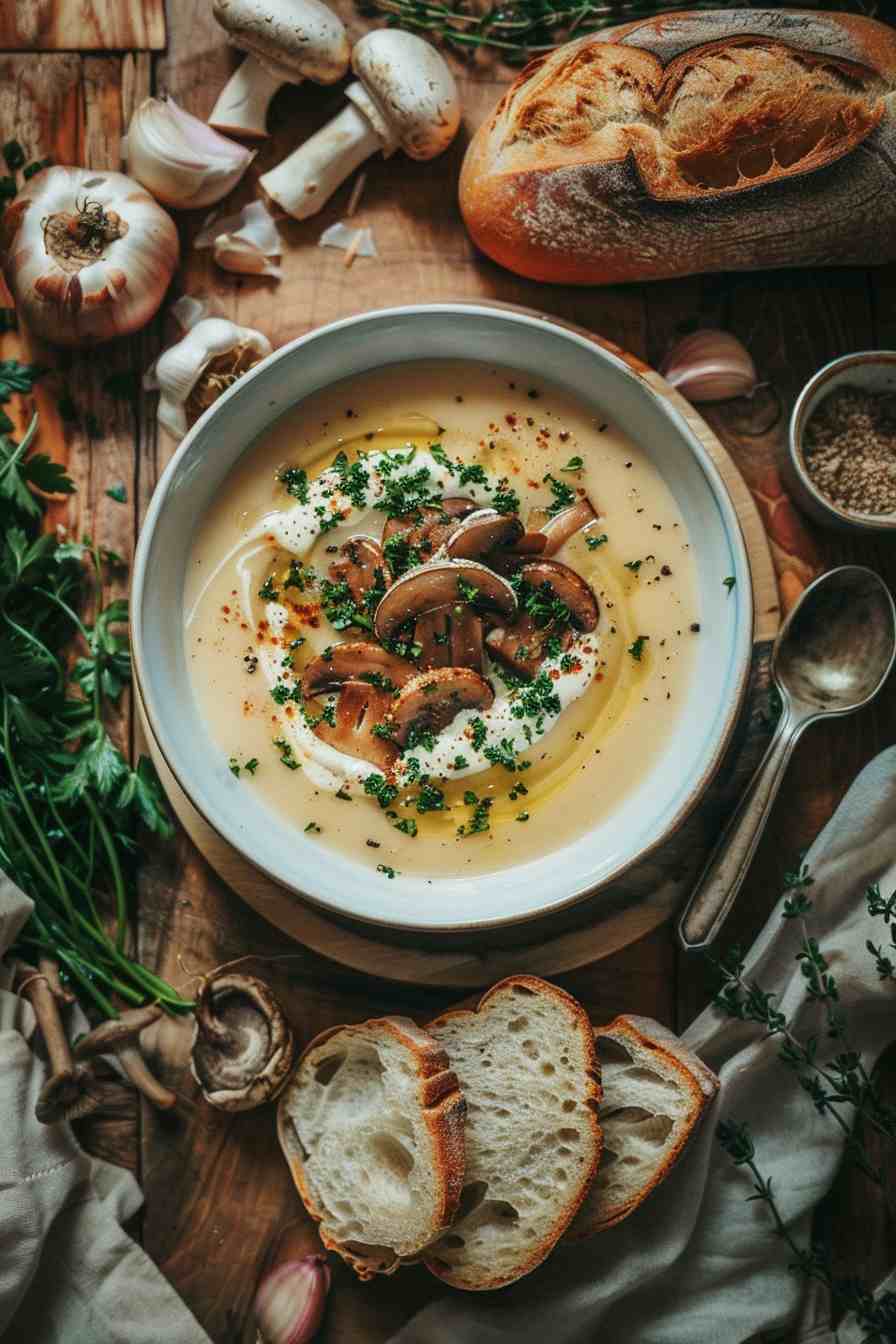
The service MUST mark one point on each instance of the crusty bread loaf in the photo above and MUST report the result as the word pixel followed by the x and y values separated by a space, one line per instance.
pixel 655 1094
pixel 527 1066
pixel 716 140
pixel 372 1126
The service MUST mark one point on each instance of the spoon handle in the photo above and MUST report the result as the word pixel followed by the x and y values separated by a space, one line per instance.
pixel 717 887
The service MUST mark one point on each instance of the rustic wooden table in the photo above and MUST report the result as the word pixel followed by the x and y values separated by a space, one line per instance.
pixel 71 73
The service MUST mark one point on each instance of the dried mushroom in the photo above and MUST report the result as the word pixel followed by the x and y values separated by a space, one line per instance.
pixel 243 1046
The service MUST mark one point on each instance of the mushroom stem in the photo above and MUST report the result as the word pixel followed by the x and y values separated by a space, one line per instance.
pixel 306 179
pixel 50 968
pixel 35 987
pixel 136 1068
pixel 242 106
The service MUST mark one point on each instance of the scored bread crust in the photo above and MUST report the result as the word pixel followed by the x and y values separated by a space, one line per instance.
pixel 580 1038
pixel 692 142
pixel 655 1048
pixel 443 1111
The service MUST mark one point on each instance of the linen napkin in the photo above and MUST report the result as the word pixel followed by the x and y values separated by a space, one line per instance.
pixel 697 1263
pixel 69 1273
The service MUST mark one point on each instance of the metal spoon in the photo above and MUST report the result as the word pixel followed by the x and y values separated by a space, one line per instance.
pixel 832 655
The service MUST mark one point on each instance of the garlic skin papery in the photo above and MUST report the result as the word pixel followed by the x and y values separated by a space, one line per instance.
pixel 290 1301
pixel 192 374
pixel 89 255
pixel 244 243
pixel 180 159
pixel 710 365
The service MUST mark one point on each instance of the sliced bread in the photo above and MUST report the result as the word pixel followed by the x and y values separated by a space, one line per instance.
pixel 372 1126
pixel 528 1069
pixel 655 1094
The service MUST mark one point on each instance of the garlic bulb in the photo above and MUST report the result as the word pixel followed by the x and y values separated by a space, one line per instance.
pixel 180 159
pixel 89 255
pixel 244 242
pixel 289 1304
pixel 210 357
pixel 710 365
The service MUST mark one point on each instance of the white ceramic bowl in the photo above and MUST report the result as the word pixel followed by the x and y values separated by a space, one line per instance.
pixel 195 474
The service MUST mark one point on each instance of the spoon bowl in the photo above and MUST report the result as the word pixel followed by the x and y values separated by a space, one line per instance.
pixel 837 647
pixel 832 655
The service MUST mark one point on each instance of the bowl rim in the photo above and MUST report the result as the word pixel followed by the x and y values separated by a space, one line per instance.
pixel 670 404
pixel 799 419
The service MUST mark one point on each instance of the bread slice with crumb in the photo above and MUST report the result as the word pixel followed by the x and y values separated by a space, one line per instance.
pixel 528 1069
pixel 656 1091
pixel 372 1126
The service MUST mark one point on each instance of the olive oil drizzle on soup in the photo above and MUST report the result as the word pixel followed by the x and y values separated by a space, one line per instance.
pixel 528 760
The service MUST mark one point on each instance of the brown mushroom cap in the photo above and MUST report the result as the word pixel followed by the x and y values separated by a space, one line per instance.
pixel 482 532
pixel 432 699
pixel 430 526
pixel 243 1046
pixel 362 566
pixel 355 660
pixel 359 709
pixel 449 636
pixel 566 585
pixel 437 585
pixel 563 525
pixel 521 646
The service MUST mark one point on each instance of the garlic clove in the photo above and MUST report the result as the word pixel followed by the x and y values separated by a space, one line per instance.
pixel 180 159
pixel 244 242
pixel 710 365
pixel 290 1301
pixel 193 373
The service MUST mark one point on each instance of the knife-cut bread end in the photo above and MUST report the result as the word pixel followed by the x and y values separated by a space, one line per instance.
pixel 372 1126
pixel 655 1094
pixel 527 1065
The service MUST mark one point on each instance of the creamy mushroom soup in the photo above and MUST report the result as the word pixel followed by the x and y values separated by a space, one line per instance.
pixel 441 617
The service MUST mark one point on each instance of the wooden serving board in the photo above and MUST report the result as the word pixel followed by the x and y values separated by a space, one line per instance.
pixel 592 929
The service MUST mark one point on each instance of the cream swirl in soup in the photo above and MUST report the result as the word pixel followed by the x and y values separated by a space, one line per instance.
pixel 459 603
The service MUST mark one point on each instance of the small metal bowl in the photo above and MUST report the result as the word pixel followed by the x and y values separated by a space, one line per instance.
pixel 872 370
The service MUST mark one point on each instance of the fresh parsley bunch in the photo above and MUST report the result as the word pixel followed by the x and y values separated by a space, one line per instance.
pixel 70 804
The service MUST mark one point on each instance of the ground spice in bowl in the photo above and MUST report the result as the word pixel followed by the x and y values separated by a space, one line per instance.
pixel 849 449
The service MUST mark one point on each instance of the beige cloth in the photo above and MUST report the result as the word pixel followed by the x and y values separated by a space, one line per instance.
pixel 697 1263
pixel 69 1274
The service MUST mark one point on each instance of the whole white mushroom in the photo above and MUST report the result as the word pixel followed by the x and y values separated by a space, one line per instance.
pixel 404 97
pixel 286 41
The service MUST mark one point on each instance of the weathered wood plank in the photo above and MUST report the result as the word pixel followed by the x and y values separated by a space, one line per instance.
pixel 90 25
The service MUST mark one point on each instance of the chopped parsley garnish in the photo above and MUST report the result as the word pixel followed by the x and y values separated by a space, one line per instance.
pixel 633 565
pixel 328 715
pixel 313 828
pixel 251 765
pixel 637 648
pixel 404 494
pixel 268 591
pixel 564 495
pixel 460 763
pixel 378 787
pixel 519 790
pixel 400 555
pixel 373 678
pixel 429 799
pixel 281 694
pixel 593 542
pixel 385 730
pixel 729 582
pixel 341 609
pixel 542 604
pixel 567 663
pixel 479 820
pixel 420 736
pixel 503 754
pixel 353 479
pixel 296 481
pixel 287 755
pixel 299 576
pixel 327 519
pixel 477 733
pixel 118 492
pixel 472 471
pixel 407 826
pixel 387 869
pixel 505 498
pixel 438 452
pixel 343 795
pixel 441 638
pixel 522 816
pixel 467 592
pixel 234 767
pixel 536 700
pixel 574 464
